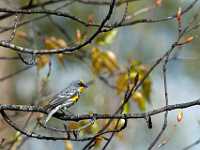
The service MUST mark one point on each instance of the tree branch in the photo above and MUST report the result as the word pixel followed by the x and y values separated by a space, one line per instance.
pixel 27 108
pixel 61 50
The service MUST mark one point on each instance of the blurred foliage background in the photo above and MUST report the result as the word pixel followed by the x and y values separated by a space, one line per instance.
pixel 109 56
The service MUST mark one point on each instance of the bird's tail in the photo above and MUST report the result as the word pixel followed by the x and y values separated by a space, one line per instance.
pixel 51 113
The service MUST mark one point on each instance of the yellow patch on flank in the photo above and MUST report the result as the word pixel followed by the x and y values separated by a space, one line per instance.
pixel 75 98
pixel 81 89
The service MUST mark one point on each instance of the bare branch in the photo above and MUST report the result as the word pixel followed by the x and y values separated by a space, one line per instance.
pixel 69 50
pixel 192 145
pixel 26 108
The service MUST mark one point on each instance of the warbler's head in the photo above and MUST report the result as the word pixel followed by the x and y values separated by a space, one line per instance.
pixel 80 85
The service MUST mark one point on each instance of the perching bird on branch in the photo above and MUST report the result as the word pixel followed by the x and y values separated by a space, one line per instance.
pixel 65 98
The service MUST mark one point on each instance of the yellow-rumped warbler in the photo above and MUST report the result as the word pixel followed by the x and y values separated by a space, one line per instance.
pixel 65 98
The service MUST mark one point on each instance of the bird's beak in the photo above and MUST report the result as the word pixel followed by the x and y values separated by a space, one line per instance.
pixel 85 85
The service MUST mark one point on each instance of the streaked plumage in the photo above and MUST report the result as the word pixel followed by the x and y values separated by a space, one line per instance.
pixel 65 98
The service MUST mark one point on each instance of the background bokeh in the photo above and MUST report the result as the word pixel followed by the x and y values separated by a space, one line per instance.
pixel 143 42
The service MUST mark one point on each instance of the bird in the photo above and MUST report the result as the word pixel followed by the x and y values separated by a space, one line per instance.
pixel 65 98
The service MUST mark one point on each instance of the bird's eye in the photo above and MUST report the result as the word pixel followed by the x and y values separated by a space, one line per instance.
pixel 82 84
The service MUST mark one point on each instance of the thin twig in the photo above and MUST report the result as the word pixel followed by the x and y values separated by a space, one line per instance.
pixel 61 50
pixel 15 73
pixel 197 142
pixel 166 103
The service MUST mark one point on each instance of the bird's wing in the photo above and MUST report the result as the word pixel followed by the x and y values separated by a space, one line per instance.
pixel 62 97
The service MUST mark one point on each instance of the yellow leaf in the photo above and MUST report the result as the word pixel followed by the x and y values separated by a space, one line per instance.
pixel 21 34
pixel 106 38
pixel 142 70
pixel 179 14
pixel 18 135
pixel 42 61
pixel 109 61
pixel 135 63
pixel 93 128
pixel 120 124
pixel 140 100
pixel 126 108
pixel 53 43
pixel 73 125
pixel 103 61
pixel 96 60
pixel 122 82
pixel 98 141
pixel 90 19
pixel 146 88
pixel 114 123
pixel 134 76
pixel 18 140
pixel 61 43
pixel 188 39
pixel 68 145
pixel 78 36
pixel 180 116
pixel 50 43
pixel 120 135
pixel 135 72
pixel 131 78
pixel 158 2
